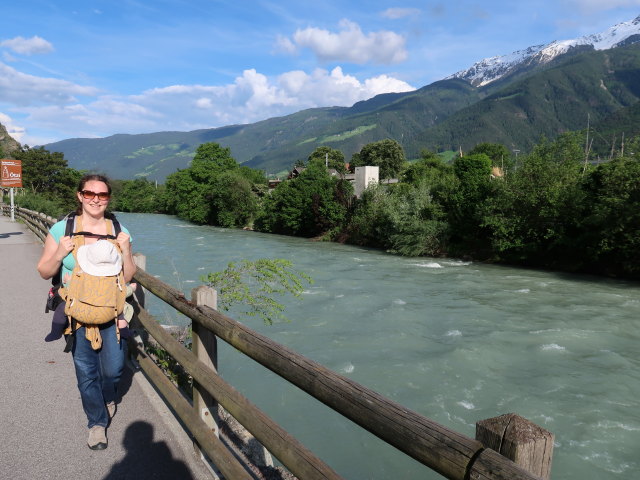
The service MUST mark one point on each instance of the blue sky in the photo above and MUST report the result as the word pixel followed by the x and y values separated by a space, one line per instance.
pixel 93 68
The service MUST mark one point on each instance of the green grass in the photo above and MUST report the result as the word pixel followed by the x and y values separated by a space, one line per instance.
pixel 348 134
pixel 153 149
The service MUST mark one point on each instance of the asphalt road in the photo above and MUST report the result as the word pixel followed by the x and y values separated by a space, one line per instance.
pixel 43 430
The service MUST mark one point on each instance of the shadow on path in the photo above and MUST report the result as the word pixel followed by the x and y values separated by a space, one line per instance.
pixel 8 234
pixel 146 459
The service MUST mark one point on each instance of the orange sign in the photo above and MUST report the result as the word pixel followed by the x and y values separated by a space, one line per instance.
pixel 11 173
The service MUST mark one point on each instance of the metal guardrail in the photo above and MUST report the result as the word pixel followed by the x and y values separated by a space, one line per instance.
pixel 447 452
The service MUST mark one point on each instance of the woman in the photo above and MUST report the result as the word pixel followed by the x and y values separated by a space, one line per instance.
pixel 97 371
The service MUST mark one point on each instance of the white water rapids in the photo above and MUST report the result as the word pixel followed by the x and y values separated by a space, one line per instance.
pixel 455 341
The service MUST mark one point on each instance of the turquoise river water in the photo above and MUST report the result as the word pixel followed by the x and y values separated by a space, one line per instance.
pixel 455 341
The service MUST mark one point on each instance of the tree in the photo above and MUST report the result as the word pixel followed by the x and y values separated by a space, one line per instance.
pixel 311 204
pixel 137 195
pixel 41 169
pixel 499 154
pixel 232 201
pixel 252 284
pixel 609 233
pixel 465 202
pixel 214 189
pixel 329 157
pixel 356 161
pixel 209 161
pixel 532 217
pixel 256 177
pixel 48 178
pixel 185 196
pixel 403 220
pixel 430 168
pixel 386 154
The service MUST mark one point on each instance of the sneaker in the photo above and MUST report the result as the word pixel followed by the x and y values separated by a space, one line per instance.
pixel 97 438
pixel 111 409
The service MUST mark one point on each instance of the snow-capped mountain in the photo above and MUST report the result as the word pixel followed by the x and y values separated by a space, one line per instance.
pixel 491 69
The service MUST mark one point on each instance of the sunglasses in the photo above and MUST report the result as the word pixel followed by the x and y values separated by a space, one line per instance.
pixel 89 195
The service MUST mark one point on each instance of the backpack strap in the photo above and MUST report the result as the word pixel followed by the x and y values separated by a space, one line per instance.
pixel 112 232
pixel 68 228
pixel 69 219
pixel 71 338
pixel 116 224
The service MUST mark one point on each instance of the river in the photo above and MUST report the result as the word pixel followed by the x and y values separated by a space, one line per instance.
pixel 455 341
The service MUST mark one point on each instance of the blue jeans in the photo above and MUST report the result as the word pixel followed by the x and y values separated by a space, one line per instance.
pixel 98 373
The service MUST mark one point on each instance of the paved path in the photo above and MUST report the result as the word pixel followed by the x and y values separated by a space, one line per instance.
pixel 43 430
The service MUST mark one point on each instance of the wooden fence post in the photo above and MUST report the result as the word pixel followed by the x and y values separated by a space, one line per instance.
pixel 205 348
pixel 518 439
pixel 139 335
pixel 141 262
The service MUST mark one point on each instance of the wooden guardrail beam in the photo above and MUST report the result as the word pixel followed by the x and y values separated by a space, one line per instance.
pixel 449 453
pixel 224 460
pixel 295 456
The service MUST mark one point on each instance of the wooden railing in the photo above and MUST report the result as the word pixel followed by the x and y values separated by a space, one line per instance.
pixel 447 452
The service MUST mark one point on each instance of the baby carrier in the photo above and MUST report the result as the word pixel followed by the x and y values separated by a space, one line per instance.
pixel 53 297
pixel 95 294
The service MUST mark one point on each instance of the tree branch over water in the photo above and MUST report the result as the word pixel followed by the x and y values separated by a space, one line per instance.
pixel 253 284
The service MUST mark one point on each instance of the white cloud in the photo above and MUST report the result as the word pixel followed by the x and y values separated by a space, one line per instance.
pixel 350 44
pixel 396 13
pixel 285 45
pixel 28 46
pixel 19 88
pixel 322 88
pixel 250 98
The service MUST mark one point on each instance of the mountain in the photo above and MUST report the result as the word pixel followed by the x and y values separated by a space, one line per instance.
pixel 273 144
pixel 592 84
pixel 494 68
pixel 512 99
pixel 7 143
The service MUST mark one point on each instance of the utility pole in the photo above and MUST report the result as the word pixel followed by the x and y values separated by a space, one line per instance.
pixel 587 147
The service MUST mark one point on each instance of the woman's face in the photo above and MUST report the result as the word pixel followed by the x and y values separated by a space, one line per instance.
pixel 94 197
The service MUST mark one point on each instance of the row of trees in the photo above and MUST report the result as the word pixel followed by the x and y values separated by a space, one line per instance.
pixel 552 209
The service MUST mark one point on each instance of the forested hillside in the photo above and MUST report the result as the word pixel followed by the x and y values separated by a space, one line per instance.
pixel 584 86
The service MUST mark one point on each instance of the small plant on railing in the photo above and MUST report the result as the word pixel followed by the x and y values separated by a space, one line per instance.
pixel 249 284
pixel 253 284
pixel 170 367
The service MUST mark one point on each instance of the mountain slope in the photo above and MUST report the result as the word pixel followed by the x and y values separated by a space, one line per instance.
pixel 543 90
pixel 274 144
pixel 555 100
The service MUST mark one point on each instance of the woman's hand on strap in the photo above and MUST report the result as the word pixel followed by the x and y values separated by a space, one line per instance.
pixel 64 247
pixel 53 254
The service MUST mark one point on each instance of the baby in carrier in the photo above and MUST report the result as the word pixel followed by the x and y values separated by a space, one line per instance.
pixel 98 259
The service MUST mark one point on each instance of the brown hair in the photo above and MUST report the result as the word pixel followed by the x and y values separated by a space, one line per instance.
pixel 88 178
